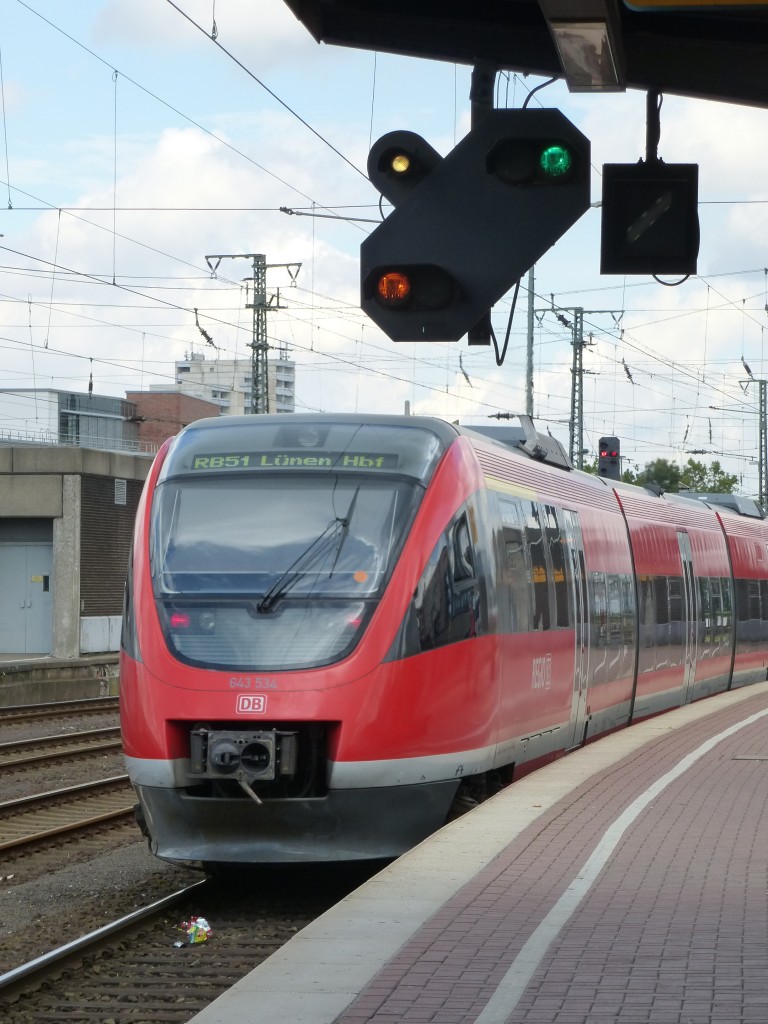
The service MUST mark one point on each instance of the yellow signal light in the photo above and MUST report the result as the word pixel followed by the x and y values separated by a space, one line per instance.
pixel 400 163
pixel 393 288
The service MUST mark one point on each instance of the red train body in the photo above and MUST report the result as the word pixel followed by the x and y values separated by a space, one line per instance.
pixel 339 629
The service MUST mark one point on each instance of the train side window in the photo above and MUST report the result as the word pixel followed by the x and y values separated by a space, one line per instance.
pixel 647 619
pixel 517 568
pixel 662 621
pixel 598 638
pixel 555 540
pixel 706 627
pixel 129 637
pixel 752 624
pixel 717 629
pixel 615 637
pixel 676 621
pixel 764 609
pixel 755 613
pixel 463 560
pixel 628 624
pixel 675 599
pixel 726 605
pixel 742 613
pixel 742 601
pixel 446 606
pixel 628 610
pixel 754 599
pixel 535 539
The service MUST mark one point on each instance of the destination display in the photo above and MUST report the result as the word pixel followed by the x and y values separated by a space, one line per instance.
pixel 295 460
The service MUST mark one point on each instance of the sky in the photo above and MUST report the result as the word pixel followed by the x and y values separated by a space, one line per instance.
pixel 134 145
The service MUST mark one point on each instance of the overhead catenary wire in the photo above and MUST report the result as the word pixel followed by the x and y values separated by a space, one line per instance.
pixel 259 81
pixel 170 106
pixel 471 358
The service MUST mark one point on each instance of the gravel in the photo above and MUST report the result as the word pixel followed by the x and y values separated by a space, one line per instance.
pixel 93 893
pixel 41 912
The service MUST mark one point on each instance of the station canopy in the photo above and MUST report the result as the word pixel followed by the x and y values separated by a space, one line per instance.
pixel 686 47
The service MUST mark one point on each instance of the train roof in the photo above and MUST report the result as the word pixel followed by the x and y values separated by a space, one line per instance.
pixel 545 448
pixel 522 438
pixel 526 439
pixel 733 502
pixel 445 430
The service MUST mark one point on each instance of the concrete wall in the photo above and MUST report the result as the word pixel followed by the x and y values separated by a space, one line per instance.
pixel 66 571
pixel 46 483
pixel 100 633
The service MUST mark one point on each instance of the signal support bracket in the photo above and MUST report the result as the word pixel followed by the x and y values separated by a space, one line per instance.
pixel 481 99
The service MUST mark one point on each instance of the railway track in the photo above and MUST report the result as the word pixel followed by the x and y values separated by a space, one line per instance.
pixel 25 753
pixel 58 709
pixel 73 858
pixel 141 969
pixel 31 820
pixel 36 972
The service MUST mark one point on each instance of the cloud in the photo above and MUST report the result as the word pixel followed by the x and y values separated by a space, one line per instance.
pixel 683 345
pixel 263 35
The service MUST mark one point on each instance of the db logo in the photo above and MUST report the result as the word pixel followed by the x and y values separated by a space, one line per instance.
pixel 251 703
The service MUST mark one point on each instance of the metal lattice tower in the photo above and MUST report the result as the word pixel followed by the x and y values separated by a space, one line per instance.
pixel 576 423
pixel 260 304
pixel 762 445
pixel 259 346
pixel 576 450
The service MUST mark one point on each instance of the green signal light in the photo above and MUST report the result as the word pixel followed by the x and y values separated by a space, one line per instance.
pixel 556 161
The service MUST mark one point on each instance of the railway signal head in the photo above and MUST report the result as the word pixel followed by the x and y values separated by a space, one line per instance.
pixel 650 220
pixel 398 162
pixel 467 226
pixel 609 459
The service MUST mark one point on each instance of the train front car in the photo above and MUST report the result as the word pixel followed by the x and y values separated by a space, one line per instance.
pixel 265 714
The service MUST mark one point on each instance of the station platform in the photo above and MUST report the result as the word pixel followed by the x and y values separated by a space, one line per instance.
pixel 38 678
pixel 625 883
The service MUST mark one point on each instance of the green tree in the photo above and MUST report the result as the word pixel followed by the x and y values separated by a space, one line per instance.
pixel 694 476
pixel 661 472
pixel 708 479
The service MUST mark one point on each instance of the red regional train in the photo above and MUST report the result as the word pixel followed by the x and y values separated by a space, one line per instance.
pixel 340 629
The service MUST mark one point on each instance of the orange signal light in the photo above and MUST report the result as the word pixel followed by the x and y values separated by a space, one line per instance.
pixel 393 288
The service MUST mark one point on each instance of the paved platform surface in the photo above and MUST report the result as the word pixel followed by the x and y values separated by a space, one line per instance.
pixel 626 883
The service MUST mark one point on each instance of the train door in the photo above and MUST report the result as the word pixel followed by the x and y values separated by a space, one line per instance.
pixel 689 617
pixel 574 545
pixel 26 607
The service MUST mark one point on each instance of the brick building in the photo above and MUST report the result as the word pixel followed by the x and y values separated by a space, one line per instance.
pixel 161 414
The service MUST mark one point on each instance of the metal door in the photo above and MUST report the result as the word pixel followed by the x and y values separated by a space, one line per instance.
pixel 689 612
pixel 575 547
pixel 26 605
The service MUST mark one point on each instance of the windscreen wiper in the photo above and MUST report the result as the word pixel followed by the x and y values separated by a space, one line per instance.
pixel 337 528
pixel 318 549
pixel 344 531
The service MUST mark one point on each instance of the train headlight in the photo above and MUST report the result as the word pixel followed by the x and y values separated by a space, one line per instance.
pixel 207 620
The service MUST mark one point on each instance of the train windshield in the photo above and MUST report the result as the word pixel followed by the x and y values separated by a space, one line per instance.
pixel 278 538
pixel 273 537
pixel 279 576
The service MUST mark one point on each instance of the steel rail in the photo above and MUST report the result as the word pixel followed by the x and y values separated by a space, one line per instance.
pixel 11 805
pixel 40 963
pixel 87 705
pixel 51 803
pixel 64 744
